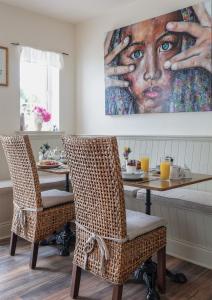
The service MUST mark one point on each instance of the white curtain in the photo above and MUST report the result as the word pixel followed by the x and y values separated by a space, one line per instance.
pixel 45 58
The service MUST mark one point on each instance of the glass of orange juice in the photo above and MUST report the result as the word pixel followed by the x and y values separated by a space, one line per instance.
pixel 145 164
pixel 164 170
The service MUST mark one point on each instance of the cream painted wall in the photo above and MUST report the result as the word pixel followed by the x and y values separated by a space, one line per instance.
pixel 90 80
pixel 17 25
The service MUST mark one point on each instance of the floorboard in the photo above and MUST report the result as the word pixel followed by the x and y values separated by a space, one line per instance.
pixel 51 279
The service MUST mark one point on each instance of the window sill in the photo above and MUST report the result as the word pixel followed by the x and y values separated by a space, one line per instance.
pixel 40 133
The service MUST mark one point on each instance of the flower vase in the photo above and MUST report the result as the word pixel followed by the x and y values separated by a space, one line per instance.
pixel 38 124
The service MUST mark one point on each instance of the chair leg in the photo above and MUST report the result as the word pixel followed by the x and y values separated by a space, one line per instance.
pixel 161 270
pixel 75 281
pixel 34 255
pixel 13 242
pixel 117 292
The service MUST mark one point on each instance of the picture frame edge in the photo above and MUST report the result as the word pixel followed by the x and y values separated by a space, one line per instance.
pixel 7 66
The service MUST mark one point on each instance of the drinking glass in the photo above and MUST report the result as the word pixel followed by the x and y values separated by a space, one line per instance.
pixel 164 170
pixel 49 155
pixel 145 164
pixel 56 154
pixel 63 157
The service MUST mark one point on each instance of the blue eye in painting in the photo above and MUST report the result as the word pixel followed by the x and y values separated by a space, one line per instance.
pixel 166 46
pixel 138 54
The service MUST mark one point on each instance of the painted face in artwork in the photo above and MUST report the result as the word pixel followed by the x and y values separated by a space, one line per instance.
pixel 151 45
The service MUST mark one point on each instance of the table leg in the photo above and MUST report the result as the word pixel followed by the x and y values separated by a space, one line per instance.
pixel 64 239
pixel 176 277
pixel 67 183
pixel 148 202
pixel 51 240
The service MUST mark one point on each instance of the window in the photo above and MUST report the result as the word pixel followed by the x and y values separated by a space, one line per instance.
pixel 39 86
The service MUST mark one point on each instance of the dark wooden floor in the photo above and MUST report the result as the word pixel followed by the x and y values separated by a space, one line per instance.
pixel 51 279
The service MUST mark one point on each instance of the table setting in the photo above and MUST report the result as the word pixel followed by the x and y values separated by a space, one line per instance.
pixel 51 158
pixel 140 169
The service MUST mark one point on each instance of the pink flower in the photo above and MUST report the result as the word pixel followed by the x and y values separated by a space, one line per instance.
pixel 46 116
pixel 42 113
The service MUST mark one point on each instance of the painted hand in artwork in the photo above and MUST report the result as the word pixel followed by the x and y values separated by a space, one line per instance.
pixel 110 70
pixel 198 55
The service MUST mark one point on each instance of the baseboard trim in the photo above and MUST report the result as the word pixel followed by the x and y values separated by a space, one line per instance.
pixel 190 252
pixel 5 230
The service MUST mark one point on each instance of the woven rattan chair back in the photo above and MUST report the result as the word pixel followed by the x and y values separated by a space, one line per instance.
pixel 23 171
pixel 97 184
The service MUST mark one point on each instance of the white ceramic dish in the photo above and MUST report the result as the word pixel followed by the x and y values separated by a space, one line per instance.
pixel 130 169
pixel 132 176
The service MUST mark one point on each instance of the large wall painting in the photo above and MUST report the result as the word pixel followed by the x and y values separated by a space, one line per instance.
pixel 161 65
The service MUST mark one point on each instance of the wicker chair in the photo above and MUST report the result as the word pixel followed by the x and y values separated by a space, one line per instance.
pixel 36 214
pixel 110 241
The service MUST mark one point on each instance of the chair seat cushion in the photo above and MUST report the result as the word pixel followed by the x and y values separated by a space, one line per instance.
pixel 139 223
pixel 56 197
